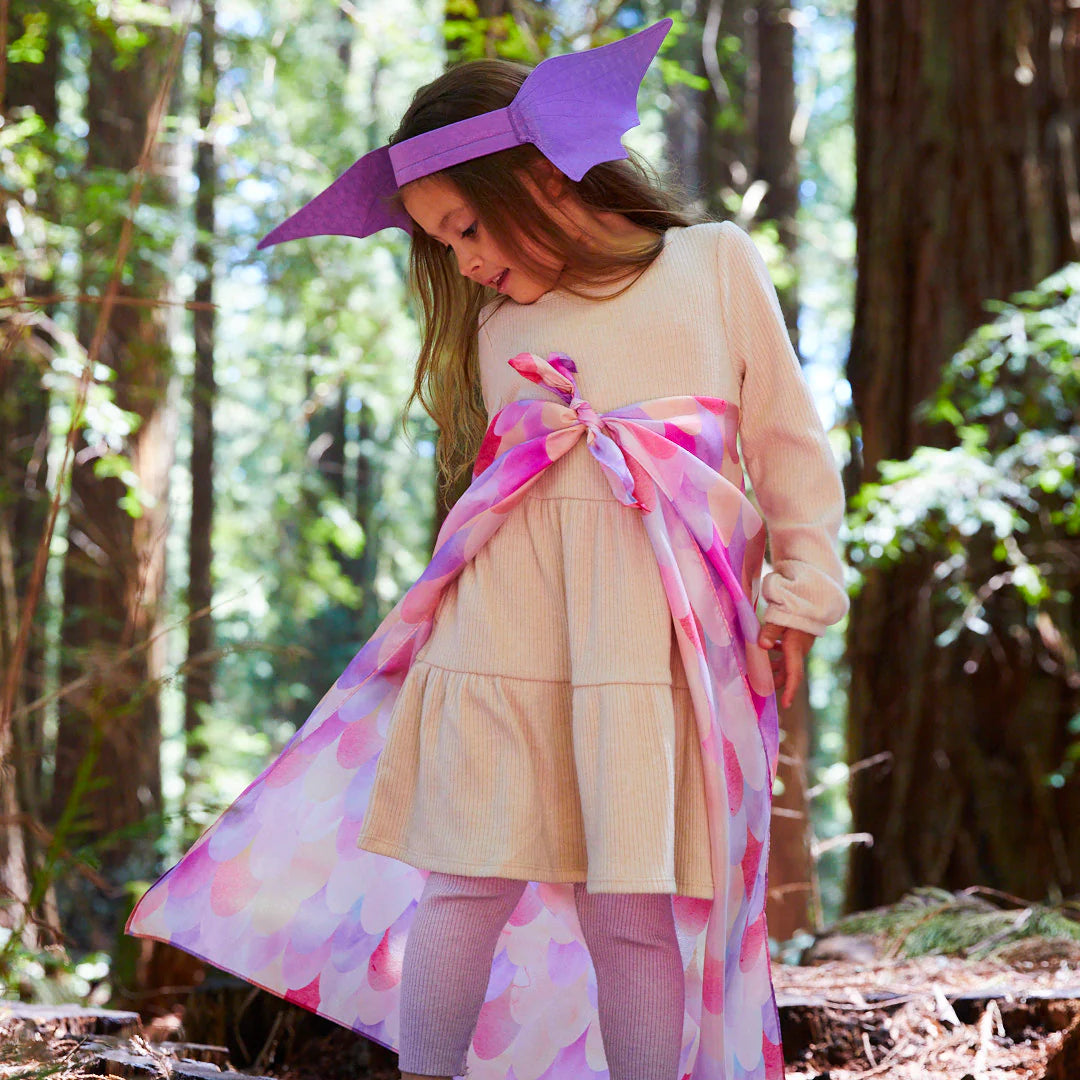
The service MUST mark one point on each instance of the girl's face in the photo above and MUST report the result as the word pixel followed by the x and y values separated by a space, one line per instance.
pixel 438 208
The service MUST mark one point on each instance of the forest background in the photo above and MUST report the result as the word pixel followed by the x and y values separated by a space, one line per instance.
pixel 208 499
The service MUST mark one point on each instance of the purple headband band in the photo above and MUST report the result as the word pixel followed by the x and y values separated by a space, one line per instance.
pixel 573 108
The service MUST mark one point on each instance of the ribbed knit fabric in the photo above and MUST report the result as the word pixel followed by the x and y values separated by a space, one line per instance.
pixel 703 319
pixel 446 968
pixel 447 964
pixel 545 730
pixel 640 987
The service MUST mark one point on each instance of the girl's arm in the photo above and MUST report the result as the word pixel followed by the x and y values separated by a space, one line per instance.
pixel 787 455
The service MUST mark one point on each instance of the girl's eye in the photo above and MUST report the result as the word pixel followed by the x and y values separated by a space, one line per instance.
pixel 466 235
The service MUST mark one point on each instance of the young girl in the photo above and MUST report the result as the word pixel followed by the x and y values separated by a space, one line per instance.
pixel 526 831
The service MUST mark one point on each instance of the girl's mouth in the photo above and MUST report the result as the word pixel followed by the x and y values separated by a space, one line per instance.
pixel 501 280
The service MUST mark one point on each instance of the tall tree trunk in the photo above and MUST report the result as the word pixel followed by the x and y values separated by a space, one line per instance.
pixel 726 162
pixel 108 741
pixel 972 202
pixel 368 487
pixel 776 168
pixel 790 906
pixel 24 499
pixel 685 131
pixel 199 668
pixel 729 142
pixel 326 412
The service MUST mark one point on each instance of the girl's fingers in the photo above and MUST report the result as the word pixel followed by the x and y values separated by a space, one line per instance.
pixel 768 638
pixel 787 649
pixel 794 677
pixel 793 662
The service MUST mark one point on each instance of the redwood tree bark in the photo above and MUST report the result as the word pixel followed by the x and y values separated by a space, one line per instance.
pixel 108 740
pixel 790 863
pixel 777 165
pixel 199 667
pixel 24 500
pixel 967 115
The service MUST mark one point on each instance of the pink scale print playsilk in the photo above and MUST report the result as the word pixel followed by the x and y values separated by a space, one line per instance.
pixel 277 891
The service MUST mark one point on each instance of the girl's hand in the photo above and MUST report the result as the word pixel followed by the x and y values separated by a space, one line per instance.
pixel 787 652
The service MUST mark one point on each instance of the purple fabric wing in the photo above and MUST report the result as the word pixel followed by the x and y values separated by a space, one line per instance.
pixel 576 108
pixel 359 202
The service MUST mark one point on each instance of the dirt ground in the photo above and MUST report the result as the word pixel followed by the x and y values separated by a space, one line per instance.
pixel 937 1017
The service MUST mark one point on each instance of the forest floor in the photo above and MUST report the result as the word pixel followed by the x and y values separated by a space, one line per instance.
pixel 937 1016
pixel 934 1017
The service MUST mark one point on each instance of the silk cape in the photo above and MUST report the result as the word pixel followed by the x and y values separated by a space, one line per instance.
pixel 277 891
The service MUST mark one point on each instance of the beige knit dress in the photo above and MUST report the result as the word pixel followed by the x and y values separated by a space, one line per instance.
pixel 545 730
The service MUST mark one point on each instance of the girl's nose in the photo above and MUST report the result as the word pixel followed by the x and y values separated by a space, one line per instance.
pixel 469 265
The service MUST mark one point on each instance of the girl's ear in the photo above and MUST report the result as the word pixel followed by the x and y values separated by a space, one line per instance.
pixel 549 178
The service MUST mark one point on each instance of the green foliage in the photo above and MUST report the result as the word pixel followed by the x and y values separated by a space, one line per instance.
pixel 997 514
pixel 674 74
pixel 1000 509
pixel 50 975
pixel 48 211
pixel 932 921
pixel 29 46
pixel 473 37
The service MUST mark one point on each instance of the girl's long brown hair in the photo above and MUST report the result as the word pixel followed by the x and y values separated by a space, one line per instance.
pixel 496 186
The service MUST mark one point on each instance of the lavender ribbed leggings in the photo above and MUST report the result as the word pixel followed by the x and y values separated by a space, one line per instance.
pixel 447 963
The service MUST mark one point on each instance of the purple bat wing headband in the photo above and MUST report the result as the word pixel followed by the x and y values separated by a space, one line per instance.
pixel 574 109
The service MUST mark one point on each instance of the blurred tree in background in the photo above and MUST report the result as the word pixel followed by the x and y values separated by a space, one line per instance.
pixel 29 257
pixel 107 772
pixel 976 200
pixel 995 521
pixel 200 662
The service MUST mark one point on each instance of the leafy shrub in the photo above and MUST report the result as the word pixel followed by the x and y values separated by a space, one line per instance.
pixel 997 514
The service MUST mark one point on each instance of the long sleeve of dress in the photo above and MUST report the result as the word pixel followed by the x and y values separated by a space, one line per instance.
pixel 784 446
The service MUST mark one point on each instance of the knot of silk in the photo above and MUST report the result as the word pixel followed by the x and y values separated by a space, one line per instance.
pixel 588 416
pixel 557 372
pixel 606 447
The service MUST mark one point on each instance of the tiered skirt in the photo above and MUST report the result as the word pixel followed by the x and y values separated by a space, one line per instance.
pixel 545 730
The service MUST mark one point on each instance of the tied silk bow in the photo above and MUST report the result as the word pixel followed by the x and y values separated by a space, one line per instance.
pixel 557 373
pixel 277 891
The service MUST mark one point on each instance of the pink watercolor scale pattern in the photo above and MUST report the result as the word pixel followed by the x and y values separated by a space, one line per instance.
pixel 277 892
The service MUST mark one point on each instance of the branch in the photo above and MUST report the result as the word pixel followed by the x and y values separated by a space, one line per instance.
pixel 119 301
pixel 710 36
